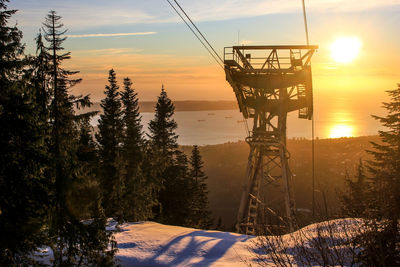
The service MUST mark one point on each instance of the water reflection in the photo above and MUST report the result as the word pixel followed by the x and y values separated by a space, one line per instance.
pixel 341 130
pixel 341 125
pixel 221 126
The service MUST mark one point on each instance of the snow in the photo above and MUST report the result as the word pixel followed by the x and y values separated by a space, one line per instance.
pixel 154 244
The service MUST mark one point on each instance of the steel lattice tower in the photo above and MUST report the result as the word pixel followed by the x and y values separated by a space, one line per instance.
pixel 269 82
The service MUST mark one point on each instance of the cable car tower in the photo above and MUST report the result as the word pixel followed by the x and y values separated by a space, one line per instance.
pixel 269 82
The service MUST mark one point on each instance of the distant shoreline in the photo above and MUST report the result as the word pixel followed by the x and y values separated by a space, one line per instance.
pixel 186 105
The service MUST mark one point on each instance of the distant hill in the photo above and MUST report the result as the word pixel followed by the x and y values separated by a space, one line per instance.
pixel 187 105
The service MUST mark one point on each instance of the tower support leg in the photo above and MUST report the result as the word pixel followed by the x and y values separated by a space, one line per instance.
pixel 267 168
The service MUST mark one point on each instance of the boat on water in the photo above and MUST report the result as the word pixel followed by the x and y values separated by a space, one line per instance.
pixel 228 117
pixel 211 114
pixel 201 120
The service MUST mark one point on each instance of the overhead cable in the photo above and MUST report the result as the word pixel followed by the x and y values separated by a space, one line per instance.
pixel 312 123
pixel 197 36
pixel 198 30
pixel 305 21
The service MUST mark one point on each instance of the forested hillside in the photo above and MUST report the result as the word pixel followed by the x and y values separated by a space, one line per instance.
pixel 225 165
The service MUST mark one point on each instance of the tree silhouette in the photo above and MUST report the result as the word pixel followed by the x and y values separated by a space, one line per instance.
pixel 200 214
pixel 139 194
pixel 354 199
pixel 23 158
pixel 380 242
pixel 170 164
pixel 162 130
pixel 69 235
pixel 109 138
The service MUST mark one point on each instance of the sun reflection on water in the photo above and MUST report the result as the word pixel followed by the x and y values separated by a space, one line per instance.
pixel 341 130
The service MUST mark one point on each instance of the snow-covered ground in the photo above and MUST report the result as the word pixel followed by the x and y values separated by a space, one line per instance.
pixel 154 244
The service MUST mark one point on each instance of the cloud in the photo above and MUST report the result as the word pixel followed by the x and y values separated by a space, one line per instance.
pixel 211 10
pixel 106 51
pixel 92 13
pixel 109 34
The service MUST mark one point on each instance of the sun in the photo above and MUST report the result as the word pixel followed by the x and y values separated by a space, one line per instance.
pixel 345 49
pixel 338 131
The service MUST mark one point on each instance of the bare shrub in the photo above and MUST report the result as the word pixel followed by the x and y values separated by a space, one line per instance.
pixel 328 243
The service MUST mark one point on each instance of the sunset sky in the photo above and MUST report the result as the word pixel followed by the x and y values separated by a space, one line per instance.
pixel 148 42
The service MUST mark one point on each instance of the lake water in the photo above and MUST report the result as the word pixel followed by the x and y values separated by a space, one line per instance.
pixel 221 126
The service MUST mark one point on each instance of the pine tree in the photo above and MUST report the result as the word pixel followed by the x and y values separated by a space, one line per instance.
pixel 200 214
pixel 86 145
pixel 162 130
pixel 162 148
pixel 353 201
pixel 87 198
pixel 176 195
pixel 380 242
pixel 138 195
pixel 171 165
pixel 150 172
pixel 67 232
pixel 23 157
pixel 85 191
pixel 40 79
pixel 133 136
pixel 110 138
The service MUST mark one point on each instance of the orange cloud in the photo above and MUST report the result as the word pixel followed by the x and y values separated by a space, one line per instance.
pixel 109 34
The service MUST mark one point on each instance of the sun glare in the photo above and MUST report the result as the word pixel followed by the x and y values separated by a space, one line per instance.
pixel 338 131
pixel 345 49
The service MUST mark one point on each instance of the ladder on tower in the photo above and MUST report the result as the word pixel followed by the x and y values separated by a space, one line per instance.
pixel 304 112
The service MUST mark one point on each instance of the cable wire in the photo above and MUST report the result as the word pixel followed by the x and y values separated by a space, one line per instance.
pixel 312 124
pixel 305 21
pixel 220 62
pixel 198 30
pixel 190 28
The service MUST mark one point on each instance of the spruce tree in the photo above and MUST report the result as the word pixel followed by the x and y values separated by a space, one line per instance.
pixel 200 214
pixel 380 242
pixel 385 167
pixel 162 148
pixel 85 191
pixel 133 136
pixel 110 138
pixel 176 195
pixel 86 200
pixel 86 145
pixel 23 157
pixel 162 130
pixel 170 163
pixel 138 193
pixel 40 78
pixel 353 201
pixel 68 233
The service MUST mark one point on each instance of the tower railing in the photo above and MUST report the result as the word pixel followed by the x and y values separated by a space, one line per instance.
pixel 286 58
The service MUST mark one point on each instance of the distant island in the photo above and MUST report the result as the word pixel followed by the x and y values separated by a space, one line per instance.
pixel 186 105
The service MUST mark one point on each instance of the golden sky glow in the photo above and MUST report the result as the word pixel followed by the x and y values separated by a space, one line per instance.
pixel 357 60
